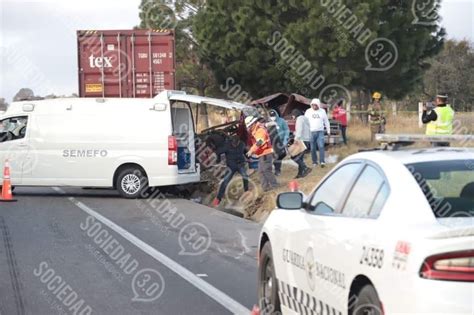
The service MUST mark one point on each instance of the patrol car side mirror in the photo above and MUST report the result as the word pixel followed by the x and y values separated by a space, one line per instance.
pixel 290 200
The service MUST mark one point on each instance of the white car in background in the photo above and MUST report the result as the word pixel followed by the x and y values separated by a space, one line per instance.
pixel 386 232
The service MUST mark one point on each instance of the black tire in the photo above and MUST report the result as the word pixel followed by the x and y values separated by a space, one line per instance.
pixel 131 183
pixel 267 282
pixel 367 302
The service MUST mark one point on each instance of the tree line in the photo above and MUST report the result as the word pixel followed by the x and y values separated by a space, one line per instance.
pixel 222 39
pixel 304 47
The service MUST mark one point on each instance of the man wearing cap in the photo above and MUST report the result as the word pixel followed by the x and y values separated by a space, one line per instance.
pixel 263 150
pixel 318 121
pixel 439 121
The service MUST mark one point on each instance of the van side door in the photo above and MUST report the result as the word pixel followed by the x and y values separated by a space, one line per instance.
pixel 184 131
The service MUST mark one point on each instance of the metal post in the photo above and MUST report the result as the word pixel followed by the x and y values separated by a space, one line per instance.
pixel 119 51
pixel 102 67
pixel 132 39
pixel 420 114
pixel 150 65
pixel 348 111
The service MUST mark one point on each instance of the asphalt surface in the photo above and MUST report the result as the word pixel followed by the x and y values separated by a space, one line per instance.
pixel 75 251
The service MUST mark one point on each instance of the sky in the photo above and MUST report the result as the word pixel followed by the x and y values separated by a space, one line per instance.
pixel 38 46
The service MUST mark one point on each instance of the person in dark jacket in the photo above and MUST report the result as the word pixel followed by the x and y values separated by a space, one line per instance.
pixel 234 150
pixel 279 132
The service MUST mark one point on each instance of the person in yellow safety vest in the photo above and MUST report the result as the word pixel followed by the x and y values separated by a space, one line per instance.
pixel 377 118
pixel 439 121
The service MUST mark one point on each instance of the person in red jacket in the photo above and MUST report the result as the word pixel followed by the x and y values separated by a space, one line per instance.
pixel 340 114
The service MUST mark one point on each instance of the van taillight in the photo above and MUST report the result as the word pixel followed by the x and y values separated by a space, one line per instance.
pixel 455 266
pixel 172 150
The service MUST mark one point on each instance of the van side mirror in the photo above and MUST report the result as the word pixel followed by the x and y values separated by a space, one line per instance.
pixel 290 200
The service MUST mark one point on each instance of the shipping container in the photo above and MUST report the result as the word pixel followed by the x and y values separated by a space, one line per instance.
pixel 126 63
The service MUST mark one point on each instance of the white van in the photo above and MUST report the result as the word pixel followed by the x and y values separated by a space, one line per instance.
pixel 127 144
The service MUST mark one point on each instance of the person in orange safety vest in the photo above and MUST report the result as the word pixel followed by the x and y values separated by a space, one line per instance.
pixel 262 149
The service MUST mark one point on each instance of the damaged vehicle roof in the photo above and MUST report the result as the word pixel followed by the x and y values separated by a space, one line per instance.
pixel 207 100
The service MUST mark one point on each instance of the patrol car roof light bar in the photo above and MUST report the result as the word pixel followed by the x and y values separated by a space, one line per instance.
pixel 394 141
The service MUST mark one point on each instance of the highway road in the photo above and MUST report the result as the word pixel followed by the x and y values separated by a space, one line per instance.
pixel 75 251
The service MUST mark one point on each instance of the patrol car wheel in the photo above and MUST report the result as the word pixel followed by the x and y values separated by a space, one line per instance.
pixel 368 302
pixel 131 182
pixel 268 283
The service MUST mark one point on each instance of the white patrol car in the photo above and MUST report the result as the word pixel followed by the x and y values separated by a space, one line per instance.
pixel 386 232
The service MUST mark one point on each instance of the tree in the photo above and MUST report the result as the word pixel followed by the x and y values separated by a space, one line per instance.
pixel 452 72
pixel 300 46
pixel 24 94
pixel 191 73
pixel 415 44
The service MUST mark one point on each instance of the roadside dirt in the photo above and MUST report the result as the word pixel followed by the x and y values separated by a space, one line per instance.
pixel 256 205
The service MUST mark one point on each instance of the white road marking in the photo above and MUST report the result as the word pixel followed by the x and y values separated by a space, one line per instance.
pixel 214 293
pixel 245 248
pixel 244 242
pixel 222 251
pixel 201 275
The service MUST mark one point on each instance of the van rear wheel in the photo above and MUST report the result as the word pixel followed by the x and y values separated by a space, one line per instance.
pixel 131 182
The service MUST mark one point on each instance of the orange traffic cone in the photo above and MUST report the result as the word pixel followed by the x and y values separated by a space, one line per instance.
pixel 293 186
pixel 7 195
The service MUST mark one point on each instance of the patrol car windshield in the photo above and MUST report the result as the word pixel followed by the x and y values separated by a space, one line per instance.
pixel 448 186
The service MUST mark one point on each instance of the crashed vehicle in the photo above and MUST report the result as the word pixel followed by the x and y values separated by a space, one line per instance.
pixel 210 138
pixel 284 104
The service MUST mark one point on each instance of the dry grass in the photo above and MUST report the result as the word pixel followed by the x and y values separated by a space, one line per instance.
pixel 256 205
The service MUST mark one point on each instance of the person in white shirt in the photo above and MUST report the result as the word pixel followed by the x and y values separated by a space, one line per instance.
pixel 302 133
pixel 318 121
